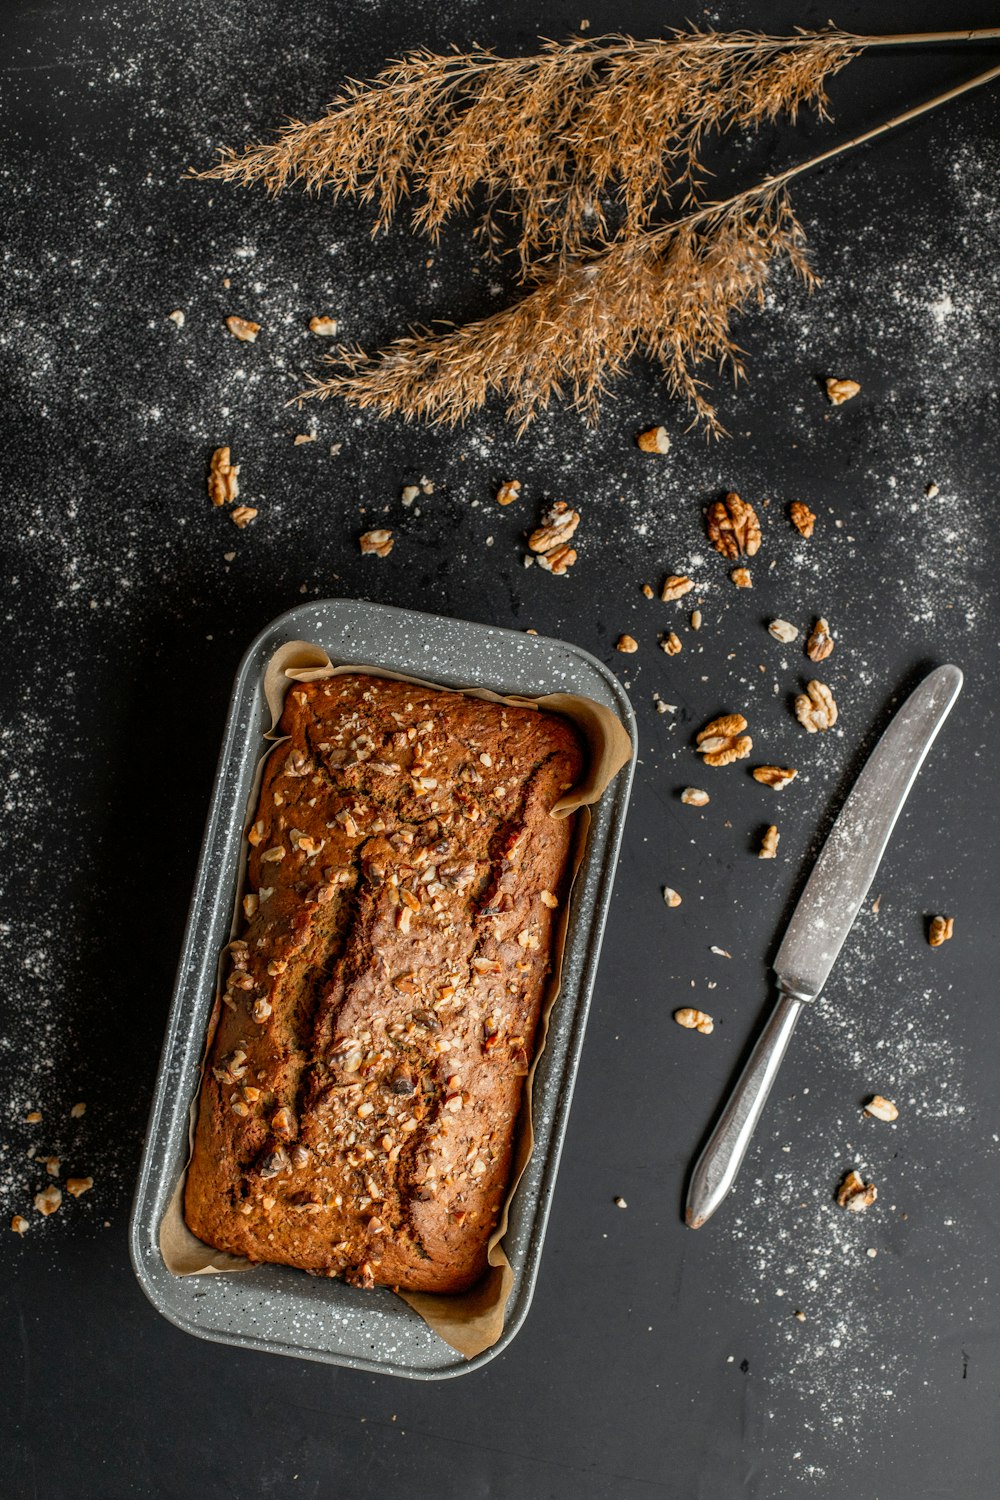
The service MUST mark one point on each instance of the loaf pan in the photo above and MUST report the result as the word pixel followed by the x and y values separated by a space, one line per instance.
pixel 277 1308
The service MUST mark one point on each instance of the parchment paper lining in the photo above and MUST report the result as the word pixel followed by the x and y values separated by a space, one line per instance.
pixel 471 1321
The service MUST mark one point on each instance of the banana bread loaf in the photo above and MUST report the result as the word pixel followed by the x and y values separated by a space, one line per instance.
pixel 359 1103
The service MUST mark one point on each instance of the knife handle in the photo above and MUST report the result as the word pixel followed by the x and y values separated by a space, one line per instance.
pixel 717 1167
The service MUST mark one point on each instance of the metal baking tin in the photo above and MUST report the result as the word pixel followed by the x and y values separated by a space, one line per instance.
pixel 278 1308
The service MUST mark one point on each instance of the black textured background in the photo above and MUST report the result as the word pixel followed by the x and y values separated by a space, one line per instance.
pixel 654 1362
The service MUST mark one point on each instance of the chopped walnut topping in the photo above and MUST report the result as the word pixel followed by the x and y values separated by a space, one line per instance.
pixel 223 481
pixel 696 619
pixel 453 1103
pixel 940 931
pixel 76 1186
pixel 627 643
pixel 694 797
pixel 741 578
pixel 508 492
pixel 675 586
pixel 274 855
pixel 654 440
pixel 694 1020
pixel 820 642
pixel 815 708
pixel 260 1011
pixel 769 843
pixel 549 900
pixel 243 329
pixel 774 776
pixel 881 1109
pixel 379 542
pixel 550 540
pixel 723 740
pixel 48 1200
pixel 856 1195
pixel 19 1224
pixel 670 896
pixel 250 905
pixel 802 518
pixel 782 631
pixel 326 327
pixel 839 391
pixel 671 643
pixel 733 527
pixel 243 515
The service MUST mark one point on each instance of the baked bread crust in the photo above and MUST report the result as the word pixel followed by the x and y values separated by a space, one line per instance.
pixel 358 1108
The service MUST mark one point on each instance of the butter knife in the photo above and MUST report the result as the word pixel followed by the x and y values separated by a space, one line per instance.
pixel 824 915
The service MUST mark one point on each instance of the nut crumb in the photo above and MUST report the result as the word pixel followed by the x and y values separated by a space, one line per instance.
pixel 694 797
pixel 932 490
pixel 19 1224
pixel 694 1020
pixel 799 1317
pixel 48 1201
pixel 940 931
pixel 670 896
pixel 242 515
pixel 33 1117
pixel 782 631
pixel 378 543
pixel 856 1195
pixel 76 1186
pixel 78 1111
pixel 733 527
pixel 326 327
pixel 410 492
pixel 720 952
pixel 508 492
pixel 839 391
pixel 647 592
pixel 881 1109
pixel 177 316
pixel 776 777
pixel 696 619
pixel 654 440
pixel 303 437
pixel 675 586
pixel 877 904
pixel 723 741
pixel 620 1203
pixel 820 642
pixel 815 709
pixel 627 643
pixel 802 518
pixel 671 643
pixel 741 578
pixel 243 329
pixel 769 843
pixel 223 480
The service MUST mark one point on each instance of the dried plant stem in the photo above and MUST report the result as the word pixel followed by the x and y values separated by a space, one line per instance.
pixel 668 292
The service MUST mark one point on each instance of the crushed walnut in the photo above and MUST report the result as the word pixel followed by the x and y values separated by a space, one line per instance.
pixel 223 480
pixel 881 1109
pixel 723 741
pixel 694 1020
pixel 820 642
pixel 769 843
pixel 508 492
pixel 670 896
pixel 694 797
pixel 303 437
pixel 654 440
pixel 326 327
pixel 741 578
pixel 671 643
pixel 854 1194
pixel 47 1201
pixel 176 317
pixel 627 643
pixel 378 543
pixel 78 1111
pixel 782 631
pixel 76 1186
pixel 940 931
pixel 675 586
pixel 802 518
pixel 19 1224
pixel 243 329
pixel 243 515
pixel 839 391
pixel 815 709
pixel 550 541
pixel 733 527
pixel 696 620
pixel 776 777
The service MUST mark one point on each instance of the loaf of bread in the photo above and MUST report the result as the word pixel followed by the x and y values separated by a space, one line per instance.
pixel 359 1103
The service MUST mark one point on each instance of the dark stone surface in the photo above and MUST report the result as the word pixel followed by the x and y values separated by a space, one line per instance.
pixel 654 1362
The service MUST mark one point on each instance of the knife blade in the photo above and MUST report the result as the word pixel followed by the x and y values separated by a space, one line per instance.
pixel 823 917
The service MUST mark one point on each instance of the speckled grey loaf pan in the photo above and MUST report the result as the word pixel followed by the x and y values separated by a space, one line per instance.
pixel 274 1307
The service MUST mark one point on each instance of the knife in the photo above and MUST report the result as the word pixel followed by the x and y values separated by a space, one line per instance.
pixel 839 882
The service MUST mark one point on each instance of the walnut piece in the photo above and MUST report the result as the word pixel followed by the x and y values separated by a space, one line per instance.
pixel 303 437
pixel 675 586
pixel 839 391
pixel 940 931
pixel 671 643
pixel 802 518
pixel 176 317
pixel 815 708
pixel 243 329
pixel 670 896
pixel 558 560
pixel 223 483
pixel 733 527
pixel 48 1201
pixel 881 1109
pixel 242 515
pixel 627 643
pixel 409 493
pixel 696 619
pixel 820 642
pixel 723 740
pixel 508 492
pixel 694 797
pixel 856 1195
pixel 769 843
pixel 694 1020
pixel 782 631
pixel 76 1186
pixel 741 578
pixel 326 327
pixel 558 525
pixel 19 1224
pixel 78 1111
pixel 654 440
pixel 775 777
pixel 378 543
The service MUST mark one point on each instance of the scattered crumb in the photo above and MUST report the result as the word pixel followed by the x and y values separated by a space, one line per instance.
pixel 243 329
